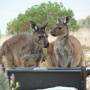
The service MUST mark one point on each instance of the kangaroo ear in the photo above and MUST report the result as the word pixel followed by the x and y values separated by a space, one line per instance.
pixel 66 19
pixel 34 26
pixel 45 25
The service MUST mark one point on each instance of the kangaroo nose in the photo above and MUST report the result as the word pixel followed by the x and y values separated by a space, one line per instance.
pixel 46 45
pixel 53 33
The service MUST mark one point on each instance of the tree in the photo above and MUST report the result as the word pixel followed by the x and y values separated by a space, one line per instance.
pixel 40 13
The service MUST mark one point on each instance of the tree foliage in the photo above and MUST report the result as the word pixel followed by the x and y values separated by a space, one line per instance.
pixel 40 13
pixel 85 22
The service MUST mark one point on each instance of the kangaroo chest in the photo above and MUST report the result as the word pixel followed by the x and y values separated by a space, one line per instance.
pixel 63 52
pixel 61 48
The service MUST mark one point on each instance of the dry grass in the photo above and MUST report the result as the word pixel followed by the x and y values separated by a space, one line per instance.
pixel 83 35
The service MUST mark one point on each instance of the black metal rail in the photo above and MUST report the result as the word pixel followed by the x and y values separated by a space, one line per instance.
pixel 39 78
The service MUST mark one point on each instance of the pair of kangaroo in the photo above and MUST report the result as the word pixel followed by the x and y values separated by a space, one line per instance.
pixel 25 49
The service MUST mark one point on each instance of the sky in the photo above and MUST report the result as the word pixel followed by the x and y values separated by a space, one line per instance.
pixel 9 9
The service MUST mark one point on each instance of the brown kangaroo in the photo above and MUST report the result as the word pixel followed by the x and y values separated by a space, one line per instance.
pixel 66 50
pixel 24 49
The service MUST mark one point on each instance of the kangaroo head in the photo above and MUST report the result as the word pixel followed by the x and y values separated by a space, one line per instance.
pixel 61 28
pixel 40 35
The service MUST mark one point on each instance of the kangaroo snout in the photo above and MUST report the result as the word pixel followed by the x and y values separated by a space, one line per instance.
pixel 53 33
pixel 46 45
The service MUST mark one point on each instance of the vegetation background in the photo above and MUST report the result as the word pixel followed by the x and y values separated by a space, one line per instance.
pixel 41 13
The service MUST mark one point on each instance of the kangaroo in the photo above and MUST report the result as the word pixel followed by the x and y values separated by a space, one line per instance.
pixel 66 50
pixel 24 49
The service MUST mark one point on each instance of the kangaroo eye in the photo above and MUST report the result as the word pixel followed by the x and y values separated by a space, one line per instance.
pixel 59 27
pixel 40 37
